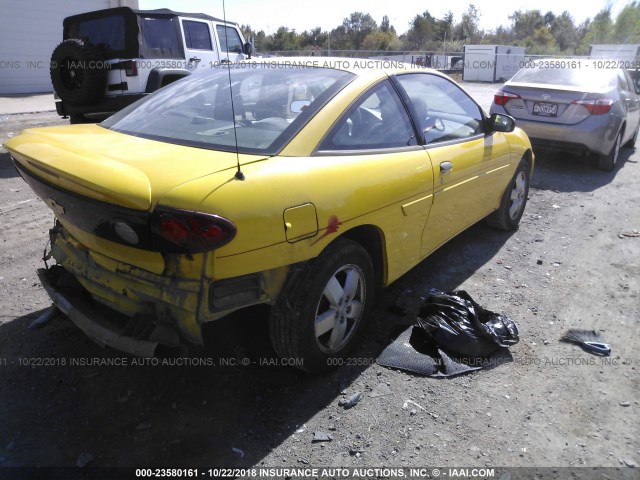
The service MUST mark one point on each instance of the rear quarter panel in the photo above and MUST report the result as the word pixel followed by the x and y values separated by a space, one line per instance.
pixel 345 191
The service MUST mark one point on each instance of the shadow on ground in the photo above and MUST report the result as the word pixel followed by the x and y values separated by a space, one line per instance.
pixel 571 173
pixel 61 401
pixel 7 170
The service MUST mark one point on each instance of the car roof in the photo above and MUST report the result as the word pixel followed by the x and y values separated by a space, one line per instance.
pixel 357 66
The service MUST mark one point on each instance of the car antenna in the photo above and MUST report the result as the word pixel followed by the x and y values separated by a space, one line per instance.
pixel 239 175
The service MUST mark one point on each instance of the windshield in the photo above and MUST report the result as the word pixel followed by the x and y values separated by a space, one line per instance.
pixel 549 74
pixel 270 104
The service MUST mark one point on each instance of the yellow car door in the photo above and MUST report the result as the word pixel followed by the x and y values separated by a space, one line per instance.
pixel 467 163
pixel 466 174
pixel 392 185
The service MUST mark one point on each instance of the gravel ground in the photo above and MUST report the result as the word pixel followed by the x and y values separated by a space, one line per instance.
pixel 574 263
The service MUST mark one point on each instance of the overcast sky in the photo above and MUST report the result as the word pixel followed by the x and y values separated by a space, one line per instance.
pixel 303 15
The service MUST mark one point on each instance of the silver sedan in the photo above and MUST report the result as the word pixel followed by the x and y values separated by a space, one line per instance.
pixel 574 105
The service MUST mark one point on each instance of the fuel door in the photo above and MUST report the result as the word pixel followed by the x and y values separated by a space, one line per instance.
pixel 300 222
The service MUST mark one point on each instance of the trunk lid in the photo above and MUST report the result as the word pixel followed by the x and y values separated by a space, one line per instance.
pixel 551 103
pixel 93 179
pixel 112 167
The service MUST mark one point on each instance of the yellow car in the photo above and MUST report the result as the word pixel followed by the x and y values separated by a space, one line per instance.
pixel 303 184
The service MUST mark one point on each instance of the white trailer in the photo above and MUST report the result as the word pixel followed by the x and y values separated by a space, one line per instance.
pixel 626 53
pixel 491 63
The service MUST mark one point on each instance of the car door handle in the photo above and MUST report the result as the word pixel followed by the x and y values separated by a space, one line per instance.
pixel 446 167
pixel 195 60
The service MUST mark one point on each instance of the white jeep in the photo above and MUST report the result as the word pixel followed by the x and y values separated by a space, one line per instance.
pixel 111 58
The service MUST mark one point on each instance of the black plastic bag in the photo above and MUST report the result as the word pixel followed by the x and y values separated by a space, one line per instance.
pixel 460 326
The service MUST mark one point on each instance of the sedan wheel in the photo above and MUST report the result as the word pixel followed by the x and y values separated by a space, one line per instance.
pixel 608 162
pixel 632 143
pixel 321 312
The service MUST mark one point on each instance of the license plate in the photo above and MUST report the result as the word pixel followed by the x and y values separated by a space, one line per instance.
pixel 545 109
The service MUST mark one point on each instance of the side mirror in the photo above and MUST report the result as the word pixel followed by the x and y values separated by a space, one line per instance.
pixel 247 49
pixel 499 122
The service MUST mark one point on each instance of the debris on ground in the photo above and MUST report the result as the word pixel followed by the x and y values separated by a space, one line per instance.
pixel 454 335
pixel 321 437
pixel 238 451
pixel 351 401
pixel 44 318
pixel 407 402
pixel 590 341
pixel 461 326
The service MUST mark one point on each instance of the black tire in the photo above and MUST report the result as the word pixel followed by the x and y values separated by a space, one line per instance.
pixel 76 118
pixel 294 330
pixel 78 72
pixel 632 143
pixel 608 162
pixel 514 200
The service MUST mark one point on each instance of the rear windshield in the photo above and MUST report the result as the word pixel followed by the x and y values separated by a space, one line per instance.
pixel 271 103
pixel 105 32
pixel 585 77
pixel 125 35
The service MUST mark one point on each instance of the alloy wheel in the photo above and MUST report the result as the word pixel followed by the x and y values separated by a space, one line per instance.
pixel 340 308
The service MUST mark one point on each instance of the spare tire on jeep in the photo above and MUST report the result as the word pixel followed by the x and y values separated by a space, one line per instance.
pixel 78 72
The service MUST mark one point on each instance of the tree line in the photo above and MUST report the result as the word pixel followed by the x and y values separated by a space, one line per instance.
pixel 540 33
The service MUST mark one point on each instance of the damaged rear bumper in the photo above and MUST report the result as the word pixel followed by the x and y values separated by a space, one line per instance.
pixel 139 312
pixel 136 336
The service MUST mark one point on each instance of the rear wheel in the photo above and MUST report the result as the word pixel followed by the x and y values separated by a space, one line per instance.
pixel 632 143
pixel 319 317
pixel 75 118
pixel 608 162
pixel 508 216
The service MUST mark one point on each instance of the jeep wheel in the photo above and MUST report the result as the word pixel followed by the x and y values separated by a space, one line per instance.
pixel 75 118
pixel 319 316
pixel 77 72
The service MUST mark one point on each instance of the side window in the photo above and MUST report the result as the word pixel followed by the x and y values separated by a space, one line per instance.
pixel 445 112
pixel 377 120
pixel 229 39
pixel 196 35
pixel 161 38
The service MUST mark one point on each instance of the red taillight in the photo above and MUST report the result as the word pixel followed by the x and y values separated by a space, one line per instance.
pixel 184 231
pixel 596 107
pixel 175 231
pixel 131 68
pixel 501 98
